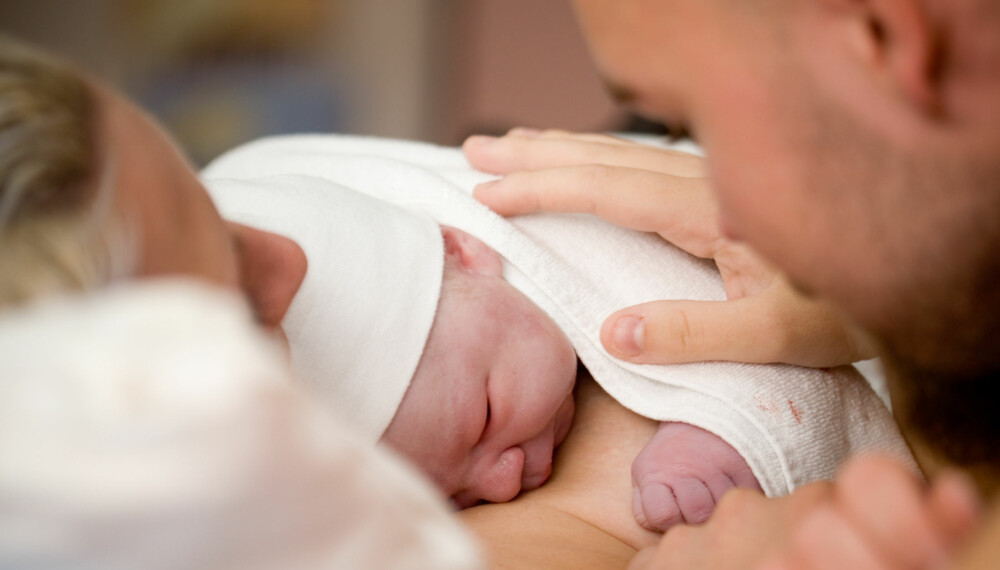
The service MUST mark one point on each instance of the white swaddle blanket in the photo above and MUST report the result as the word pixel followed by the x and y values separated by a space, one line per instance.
pixel 793 425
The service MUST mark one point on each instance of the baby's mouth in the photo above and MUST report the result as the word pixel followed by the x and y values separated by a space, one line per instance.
pixel 538 479
pixel 461 503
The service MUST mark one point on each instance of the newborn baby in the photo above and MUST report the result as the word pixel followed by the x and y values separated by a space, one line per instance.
pixel 421 335
pixel 491 393
pixel 491 398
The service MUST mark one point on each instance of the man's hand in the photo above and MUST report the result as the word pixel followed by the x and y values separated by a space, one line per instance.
pixel 882 517
pixel 665 191
pixel 745 530
pixel 876 516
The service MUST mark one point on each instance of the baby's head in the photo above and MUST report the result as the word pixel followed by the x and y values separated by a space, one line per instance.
pixel 408 330
pixel 492 394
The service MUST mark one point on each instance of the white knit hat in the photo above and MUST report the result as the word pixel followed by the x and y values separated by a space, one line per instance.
pixel 359 323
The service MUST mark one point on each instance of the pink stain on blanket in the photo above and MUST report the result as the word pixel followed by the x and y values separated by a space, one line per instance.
pixel 795 412
pixel 766 405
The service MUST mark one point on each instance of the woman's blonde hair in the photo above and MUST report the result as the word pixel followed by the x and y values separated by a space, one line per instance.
pixel 57 231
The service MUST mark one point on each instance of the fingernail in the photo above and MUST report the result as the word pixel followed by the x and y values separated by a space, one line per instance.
pixel 524 132
pixel 628 335
pixel 480 140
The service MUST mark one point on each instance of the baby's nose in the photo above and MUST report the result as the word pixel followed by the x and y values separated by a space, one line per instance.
pixel 272 268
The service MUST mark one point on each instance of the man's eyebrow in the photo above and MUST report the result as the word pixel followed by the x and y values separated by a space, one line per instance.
pixel 239 250
pixel 675 130
pixel 618 92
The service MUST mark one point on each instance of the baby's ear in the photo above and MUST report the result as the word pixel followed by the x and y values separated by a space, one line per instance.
pixel 471 253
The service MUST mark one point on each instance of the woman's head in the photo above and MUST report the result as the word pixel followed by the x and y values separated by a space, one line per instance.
pixel 52 235
pixel 92 190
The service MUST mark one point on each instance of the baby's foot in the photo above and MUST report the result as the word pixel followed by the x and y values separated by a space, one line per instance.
pixel 680 475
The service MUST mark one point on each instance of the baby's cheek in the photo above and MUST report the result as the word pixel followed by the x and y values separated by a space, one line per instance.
pixel 407 436
pixel 564 419
pixel 553 352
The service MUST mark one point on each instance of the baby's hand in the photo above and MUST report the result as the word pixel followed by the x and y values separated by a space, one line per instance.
pixel 682 473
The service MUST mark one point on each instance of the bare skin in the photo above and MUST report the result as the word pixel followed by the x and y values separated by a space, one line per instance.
pixel 581 517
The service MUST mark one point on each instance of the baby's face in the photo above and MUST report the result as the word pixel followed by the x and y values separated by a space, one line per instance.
pixel 492 394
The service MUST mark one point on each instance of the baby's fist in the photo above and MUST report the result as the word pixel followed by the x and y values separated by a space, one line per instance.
pixel 682 473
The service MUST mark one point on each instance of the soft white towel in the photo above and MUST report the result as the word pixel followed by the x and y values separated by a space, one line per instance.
pixel 793 425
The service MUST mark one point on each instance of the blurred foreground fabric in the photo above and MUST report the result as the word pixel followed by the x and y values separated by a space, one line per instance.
pixel 154 426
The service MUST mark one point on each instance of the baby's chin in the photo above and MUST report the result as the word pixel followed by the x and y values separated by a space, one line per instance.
pixel 564 419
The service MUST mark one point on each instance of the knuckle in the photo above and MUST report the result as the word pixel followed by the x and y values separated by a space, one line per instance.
pixel 790 331
pixel 597 172
pixel 591 154
pixel 782 338
pixel 678 338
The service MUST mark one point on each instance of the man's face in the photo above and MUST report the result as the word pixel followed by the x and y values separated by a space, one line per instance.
pixel 826 158
pixel 492 394
pixel 177 228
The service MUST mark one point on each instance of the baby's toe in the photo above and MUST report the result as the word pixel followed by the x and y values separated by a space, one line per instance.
pixel 718 484
pixel 656 508
pixel 694 500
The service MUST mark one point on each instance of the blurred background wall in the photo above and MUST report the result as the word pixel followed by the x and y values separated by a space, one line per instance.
pixel 220 72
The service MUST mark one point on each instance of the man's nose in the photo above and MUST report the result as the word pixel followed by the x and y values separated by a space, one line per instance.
pixel 272 268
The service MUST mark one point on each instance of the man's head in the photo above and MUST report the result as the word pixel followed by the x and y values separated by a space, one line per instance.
pixel 91 190
pixel 492 394
pixel 856 143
